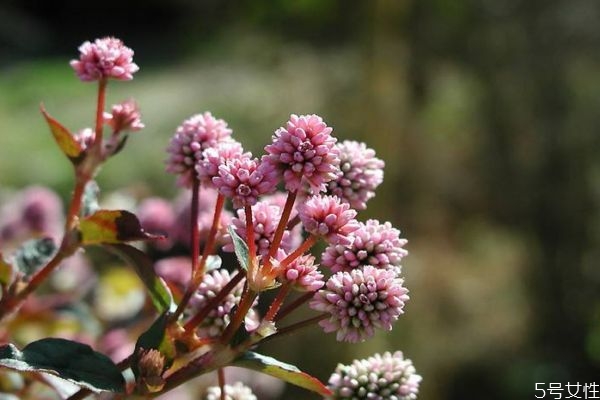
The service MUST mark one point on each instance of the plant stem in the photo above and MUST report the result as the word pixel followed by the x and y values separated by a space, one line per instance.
pixel 277 302
pixel 221 375
pixel 303 248
pixel 100 117
pixel 208 307
pixel 248 297
pixel 285 216
pixel 294 327
pixel 195 244
pixel 294 305
pixel 250 232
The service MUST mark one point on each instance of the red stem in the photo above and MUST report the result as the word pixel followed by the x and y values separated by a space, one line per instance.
pixel 204 311
pixel 195 243
pixel 294 327
pixel 277 302
pixel 100 116
pixel 250 232
pixel 246 302
pixel 285 216
pixel 303 248
pixel 221 374
pixel 294 305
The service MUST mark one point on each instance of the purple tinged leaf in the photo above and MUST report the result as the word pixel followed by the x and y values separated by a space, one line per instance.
pixel 112 226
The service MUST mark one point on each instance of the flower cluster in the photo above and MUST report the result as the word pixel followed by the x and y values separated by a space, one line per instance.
pixel 381 377
pixel 210 307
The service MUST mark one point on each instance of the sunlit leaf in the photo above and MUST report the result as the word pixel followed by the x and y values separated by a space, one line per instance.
pixel 65 140
pixel 112 226
pixel 240 247
pixel 157 288
pixel 76 362
pixel 281 370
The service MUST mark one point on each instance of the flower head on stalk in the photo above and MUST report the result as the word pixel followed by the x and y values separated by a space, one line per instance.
pixel 303 274
pixel 305 151
pixel 124 116
pixel 193 136
pixel 360 301
pixel 373 243
pixel 105 58
pixel 237 391
pixel 328 217
pixel 212 158
pixel 361 173
pixel 244 179
pixel 265 217
pixel 219 317
pixel 388 376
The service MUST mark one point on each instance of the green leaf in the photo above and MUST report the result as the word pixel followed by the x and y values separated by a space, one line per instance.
pixel 281 370
pixel 240 247
pixel 65 140
pixel 33 254
pixel 76 362
pixel 157 288
pixel 155 338
pixel 112 226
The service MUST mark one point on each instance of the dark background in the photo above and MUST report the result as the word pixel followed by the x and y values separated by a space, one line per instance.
pixel 486 113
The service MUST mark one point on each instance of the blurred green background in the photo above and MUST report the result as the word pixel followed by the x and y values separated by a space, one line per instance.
pixel 486 113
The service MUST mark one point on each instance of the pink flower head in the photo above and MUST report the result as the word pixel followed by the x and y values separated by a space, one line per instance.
pixel 243 179
pixel 387 376
pixel 237 391
pixel 303 274
pixel 219 317
pixel 361 173
pixel 373 243
pixel 305 150
pixel 328 217
pixel 105 58
pixel 265 217
pixel 124 116
pixel 360 301
pixel 212 158
pixel 193 136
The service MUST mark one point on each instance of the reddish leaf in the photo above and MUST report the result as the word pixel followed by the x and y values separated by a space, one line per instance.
pixel 66 141
pixel 112 226
pixel 281 370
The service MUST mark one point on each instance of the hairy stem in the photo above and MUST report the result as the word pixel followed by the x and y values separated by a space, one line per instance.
pixel 285 216
pixel 303 248
pixel 248 297
pixel 294 327
pixel 277 302
pixel 221 374
pixel 294 305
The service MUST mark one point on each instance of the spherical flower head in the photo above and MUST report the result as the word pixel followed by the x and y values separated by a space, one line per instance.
pixel 360 301
pixel 219 317
pixel 373 243
pixel 327 216
pixel 303 274
pixel 243 180
pixel 361 173
pixel 305 150
pixel 212 158
pixel 193 136
pixel 237 391
pixel 124 116
pixel 105 58
pixel 381 377
pixel 265 218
